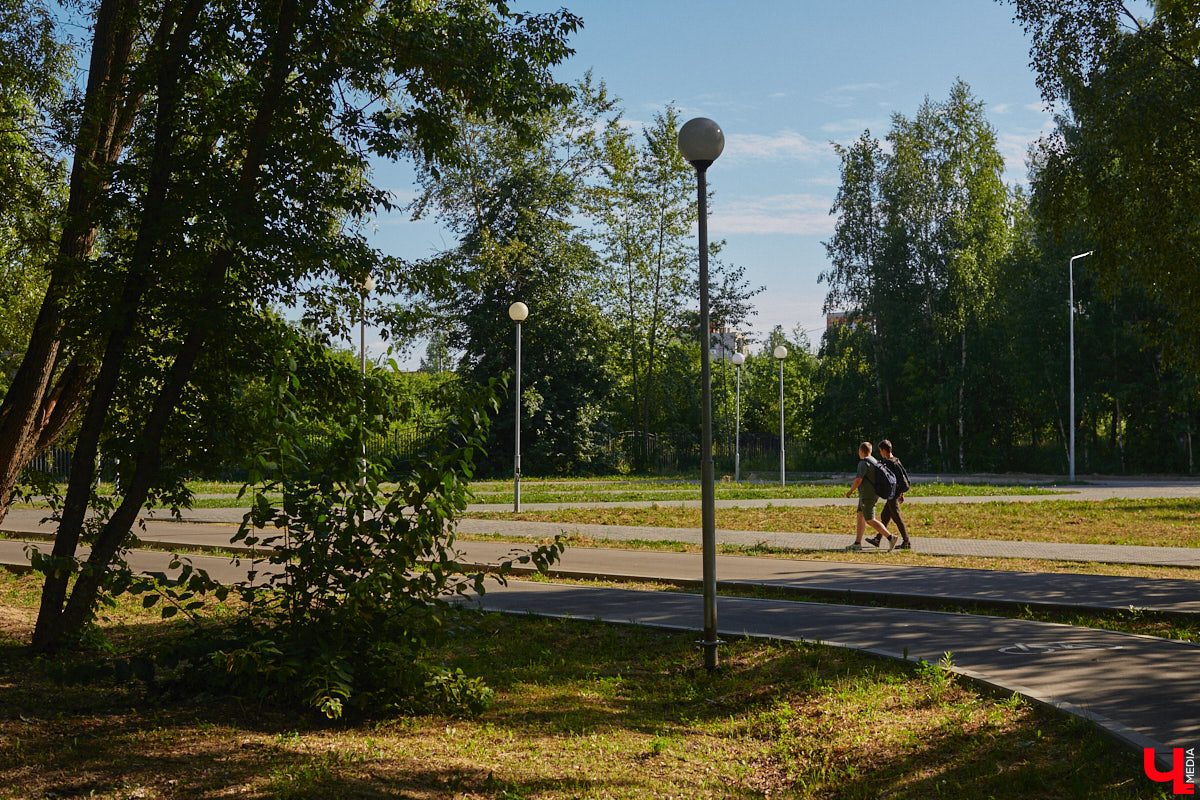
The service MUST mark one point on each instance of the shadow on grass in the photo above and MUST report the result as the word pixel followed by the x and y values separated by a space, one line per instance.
pixel 583 709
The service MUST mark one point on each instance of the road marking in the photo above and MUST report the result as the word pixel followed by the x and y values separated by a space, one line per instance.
pixel 1043 648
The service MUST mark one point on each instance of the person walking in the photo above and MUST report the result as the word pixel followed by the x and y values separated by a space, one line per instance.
pixel 891 508
pixel 867 498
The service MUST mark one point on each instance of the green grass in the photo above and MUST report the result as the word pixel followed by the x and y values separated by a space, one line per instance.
pixel 728 491
pixel 627 490
pixel 584 710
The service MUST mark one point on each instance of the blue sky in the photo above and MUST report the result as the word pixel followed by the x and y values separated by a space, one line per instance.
pixel 783 78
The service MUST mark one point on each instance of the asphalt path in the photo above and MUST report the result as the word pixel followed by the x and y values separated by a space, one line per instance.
pixel 877 581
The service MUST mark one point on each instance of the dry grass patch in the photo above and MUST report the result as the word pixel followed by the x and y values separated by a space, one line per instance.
pixel 896 557
pixel 1153 522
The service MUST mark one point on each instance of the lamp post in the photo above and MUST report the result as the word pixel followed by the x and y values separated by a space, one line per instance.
pixel 780 354
pixel 517 312
pixel 365 288
pixel 738 359
pixel 1071 346
pixel 701 142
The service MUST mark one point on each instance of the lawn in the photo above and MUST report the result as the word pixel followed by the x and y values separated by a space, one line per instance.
pixel 553 493
pixel 1153 522
pixel 583 710
pixel 211 494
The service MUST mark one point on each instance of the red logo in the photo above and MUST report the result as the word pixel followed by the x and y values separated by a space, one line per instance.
pixel 1183 769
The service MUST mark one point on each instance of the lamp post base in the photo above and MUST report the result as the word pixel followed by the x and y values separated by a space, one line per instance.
pixel 710 652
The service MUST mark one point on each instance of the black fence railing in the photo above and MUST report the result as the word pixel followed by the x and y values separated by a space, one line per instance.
pixel 56 461
pixel 680 452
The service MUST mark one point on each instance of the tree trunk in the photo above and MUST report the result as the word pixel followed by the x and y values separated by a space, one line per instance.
pixel 57 624
pixel 962 383
pixel 35 409
pixel 1118 423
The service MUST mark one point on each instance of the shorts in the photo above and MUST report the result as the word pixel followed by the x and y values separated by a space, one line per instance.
pixel 866 507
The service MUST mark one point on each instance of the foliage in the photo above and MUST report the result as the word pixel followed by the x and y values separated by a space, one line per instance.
pixel 359 579
pixel 238 174
pixel 644 208
pixel 513 201
pixel 920 234
pixel 1122 166
pixel 33 70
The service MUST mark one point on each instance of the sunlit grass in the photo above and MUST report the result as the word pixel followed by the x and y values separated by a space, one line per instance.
pixel 1157 522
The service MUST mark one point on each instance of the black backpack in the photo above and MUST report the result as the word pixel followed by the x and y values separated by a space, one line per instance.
pixel 903 483
pixel 884 481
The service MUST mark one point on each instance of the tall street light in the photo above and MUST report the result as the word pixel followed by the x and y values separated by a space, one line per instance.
pixel 738 359
pixel 780 355
pixel 701 142
pixel 365 288
pixel 517 312
pixel 1071 346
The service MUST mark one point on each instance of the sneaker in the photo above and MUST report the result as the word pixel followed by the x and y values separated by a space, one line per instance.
pixel 892 542
pixel 855 547
pixel 875 540
pixel 905 545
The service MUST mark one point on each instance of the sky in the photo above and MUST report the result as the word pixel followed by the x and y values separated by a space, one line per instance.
pixel 783 79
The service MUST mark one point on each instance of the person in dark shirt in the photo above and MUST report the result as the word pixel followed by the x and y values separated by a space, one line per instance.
pixel 891 509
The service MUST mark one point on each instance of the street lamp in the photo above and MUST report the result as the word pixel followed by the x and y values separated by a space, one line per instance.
pixel 738 359
pixel 780 355
pixel 700 143
pixel 364 288
pixel 517 312
pixel 1071 345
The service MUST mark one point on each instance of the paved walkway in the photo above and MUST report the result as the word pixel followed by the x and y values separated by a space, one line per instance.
pixel 875 582
pixel 213 526
pixel 988 548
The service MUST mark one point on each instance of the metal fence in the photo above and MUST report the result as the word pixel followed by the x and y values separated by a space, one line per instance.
pixel 680 452
pixel 56 461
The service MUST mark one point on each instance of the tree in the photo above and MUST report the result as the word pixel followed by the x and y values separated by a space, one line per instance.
pixel 33 70
pixel 856 249
pixel 760 388
pixel 946 205
pixel 222 150
pixel 1129 149
pixel 437 354
pixel 644 212
pixel 513 200
pixel 844 408
pixel 919 238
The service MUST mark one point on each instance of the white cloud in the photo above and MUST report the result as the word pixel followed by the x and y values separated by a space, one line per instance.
pixel 854 126
pixel 787 144
pixel 1013 145
pixel 1000 108
pixel 790 214
pixel 846 95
